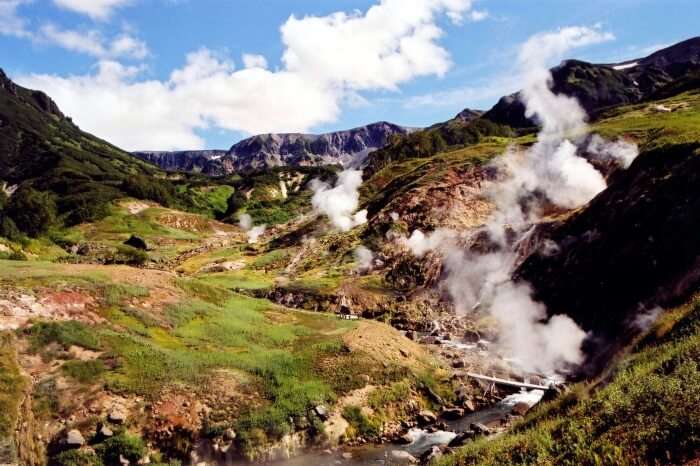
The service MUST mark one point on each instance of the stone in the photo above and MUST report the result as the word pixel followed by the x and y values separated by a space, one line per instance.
pixel 452 414
pixel 430 455
pixel 426 417
pixel 480 429
pixel 406 438
pixel 347 455
pixel 469 406
pixel 117 415
pixel 403 457
pixel 322 412
pixel 105 432
pixel 123 461
pixel 462 438
pixel 74 439
pixel 229 434
pixel 520 409
pixel 459 364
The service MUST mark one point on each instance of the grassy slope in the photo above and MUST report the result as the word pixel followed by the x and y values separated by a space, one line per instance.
pixel 286 362
pixel 643 412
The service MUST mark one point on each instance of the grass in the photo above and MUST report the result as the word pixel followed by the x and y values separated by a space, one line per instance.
pixel 84 371
pixel 12 386
pixel 645 412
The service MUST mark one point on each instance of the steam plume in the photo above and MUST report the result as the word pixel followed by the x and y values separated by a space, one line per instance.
pixel 245 221
pixel 340 202
pixel 364 258
pixel 551 173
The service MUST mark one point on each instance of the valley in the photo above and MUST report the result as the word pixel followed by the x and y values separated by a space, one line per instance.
pixel 352 306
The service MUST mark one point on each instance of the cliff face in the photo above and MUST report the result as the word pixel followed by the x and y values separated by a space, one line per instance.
pixel 600 86
pixel 348 148
pixel 203 161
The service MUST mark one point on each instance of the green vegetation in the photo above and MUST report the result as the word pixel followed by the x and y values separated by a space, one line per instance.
pixel 645 412
pixel 12 386
pixel 131 448
pixel 452 135
pixel 84 371
pixel 65 334
pixel 360 424
pixel 76 458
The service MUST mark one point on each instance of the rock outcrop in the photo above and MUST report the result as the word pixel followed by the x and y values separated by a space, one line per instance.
pixel 347 148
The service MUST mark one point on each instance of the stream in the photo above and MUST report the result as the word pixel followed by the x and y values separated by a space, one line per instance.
pixel 385 454
pixel 423 440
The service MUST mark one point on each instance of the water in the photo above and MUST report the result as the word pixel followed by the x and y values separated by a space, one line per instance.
pixel 372 455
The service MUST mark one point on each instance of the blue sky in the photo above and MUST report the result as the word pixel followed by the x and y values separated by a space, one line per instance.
pixel 110 63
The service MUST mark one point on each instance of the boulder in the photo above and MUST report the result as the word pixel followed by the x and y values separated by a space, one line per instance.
pixel 402 457
pixel 480 429
pixel 104 432
pixel 117 415
pixel 469 406
pixel 452 414
pixel 426 417
pixel 322 412
pixel 74 439
pixel 430 455
pixel 136 242
pixel 462 438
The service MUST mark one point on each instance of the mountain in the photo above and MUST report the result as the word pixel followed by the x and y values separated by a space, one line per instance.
pixel 348 148
pixel 601 86
pixel 194 161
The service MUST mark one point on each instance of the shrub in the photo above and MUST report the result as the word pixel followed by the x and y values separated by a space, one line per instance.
pixel 65 334
pixel 130 447
pixel 76 458
pixel 128 255
pixel 34 212
pixel 360 423
pixel 84 371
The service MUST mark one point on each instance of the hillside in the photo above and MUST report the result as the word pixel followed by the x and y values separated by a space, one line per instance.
pixel 57 174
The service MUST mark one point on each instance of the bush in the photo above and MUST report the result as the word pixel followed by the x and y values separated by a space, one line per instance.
pixel 33 212
pixel 9 230
pixel 129 255
pixel 65 334
pixel 360 423
pixel 76 458
pixel 84 371
pixel 131 448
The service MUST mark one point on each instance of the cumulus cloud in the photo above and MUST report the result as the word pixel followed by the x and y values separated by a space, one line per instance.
pixel 253 232
pixel 340 202
pixel 11 24
pixel 327 61
pixel 96 9
pixel 254 61
pixel 92 43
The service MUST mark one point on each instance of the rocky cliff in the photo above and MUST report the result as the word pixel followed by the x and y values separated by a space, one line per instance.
pixel 348 148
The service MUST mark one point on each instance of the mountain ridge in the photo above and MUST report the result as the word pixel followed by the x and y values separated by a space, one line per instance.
pixel 347 147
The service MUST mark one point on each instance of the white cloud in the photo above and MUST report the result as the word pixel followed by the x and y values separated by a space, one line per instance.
pixel 11 24
pixel 92 43
pixel 254 61
pixel 478 15
pixel 327 61
pixel 96 9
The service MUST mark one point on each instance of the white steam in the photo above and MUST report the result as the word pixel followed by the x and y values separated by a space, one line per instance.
pixel 245 221
pixel 549 174
pixel 621 152
pixel 364 257
pixel 340 203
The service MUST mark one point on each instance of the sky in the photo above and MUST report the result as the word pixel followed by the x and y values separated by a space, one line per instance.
pixel 203 74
